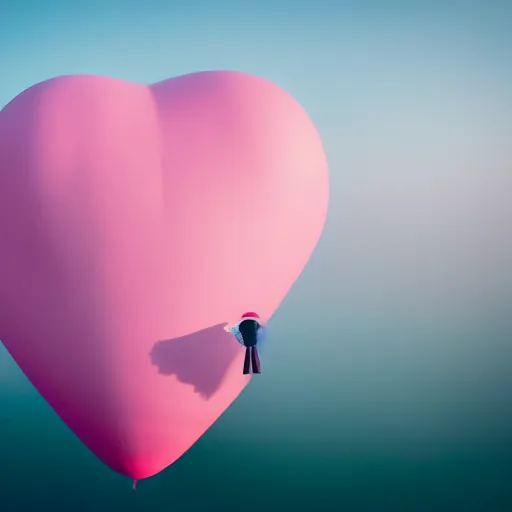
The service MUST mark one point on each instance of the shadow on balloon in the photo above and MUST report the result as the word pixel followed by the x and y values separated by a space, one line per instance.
pixel 200 359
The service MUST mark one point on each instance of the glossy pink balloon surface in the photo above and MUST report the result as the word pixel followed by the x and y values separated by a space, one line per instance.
pixel 135 221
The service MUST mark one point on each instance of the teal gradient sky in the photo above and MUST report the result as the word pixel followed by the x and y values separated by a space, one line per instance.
pixel 398 396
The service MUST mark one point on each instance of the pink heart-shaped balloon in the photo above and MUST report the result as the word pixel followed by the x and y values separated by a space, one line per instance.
pixel 134 222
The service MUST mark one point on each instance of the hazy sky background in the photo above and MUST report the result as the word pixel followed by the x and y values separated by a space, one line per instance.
pixel 405 343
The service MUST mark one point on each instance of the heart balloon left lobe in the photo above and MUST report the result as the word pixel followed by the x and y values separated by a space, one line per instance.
pixel 122 208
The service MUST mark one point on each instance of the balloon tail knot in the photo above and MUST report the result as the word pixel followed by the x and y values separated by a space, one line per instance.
pixel 134 486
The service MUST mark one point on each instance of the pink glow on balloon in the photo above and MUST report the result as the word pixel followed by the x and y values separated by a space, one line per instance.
pixel 129 216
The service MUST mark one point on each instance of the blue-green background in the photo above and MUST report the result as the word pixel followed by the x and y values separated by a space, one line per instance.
pixel 398 393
